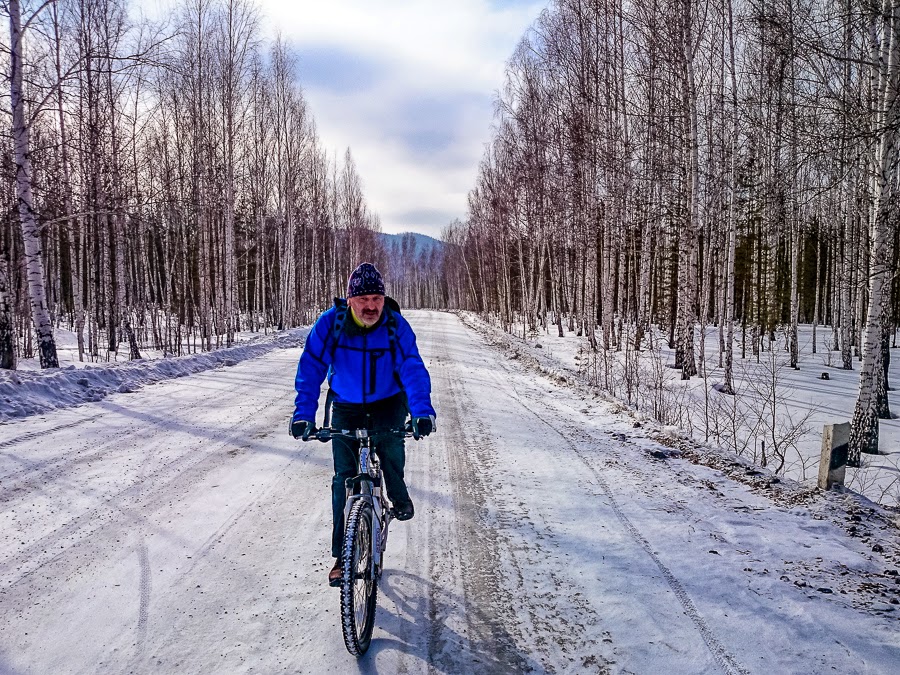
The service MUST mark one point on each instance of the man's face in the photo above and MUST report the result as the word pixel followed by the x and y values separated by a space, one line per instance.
pixel 367 308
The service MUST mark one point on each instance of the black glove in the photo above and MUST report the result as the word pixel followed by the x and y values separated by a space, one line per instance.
pixel 422 426
pixel 302 429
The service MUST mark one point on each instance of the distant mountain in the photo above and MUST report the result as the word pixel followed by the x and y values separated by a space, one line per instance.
pixel 423 243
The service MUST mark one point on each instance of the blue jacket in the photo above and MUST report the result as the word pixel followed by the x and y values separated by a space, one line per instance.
pixel 361 369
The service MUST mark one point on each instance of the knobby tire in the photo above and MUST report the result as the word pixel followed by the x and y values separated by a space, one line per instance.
pixel 358 586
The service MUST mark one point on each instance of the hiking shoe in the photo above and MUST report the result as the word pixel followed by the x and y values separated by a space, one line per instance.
pixel 334 576
pixel 404 511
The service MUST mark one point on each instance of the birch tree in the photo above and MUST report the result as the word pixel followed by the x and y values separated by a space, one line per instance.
pixel 21 135
pixel 886 79
pixel 182 190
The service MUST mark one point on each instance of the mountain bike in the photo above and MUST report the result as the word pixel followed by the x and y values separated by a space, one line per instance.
pixel 367 517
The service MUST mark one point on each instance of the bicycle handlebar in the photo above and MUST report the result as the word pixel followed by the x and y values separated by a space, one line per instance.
pixel 325 434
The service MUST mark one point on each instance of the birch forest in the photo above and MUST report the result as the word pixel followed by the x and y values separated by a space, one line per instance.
pixel 164 183
pixel 706 175
pixel 658 168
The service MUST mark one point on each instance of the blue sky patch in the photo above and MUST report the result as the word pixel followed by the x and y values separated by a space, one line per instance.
pixel 430 125
pixel 336 69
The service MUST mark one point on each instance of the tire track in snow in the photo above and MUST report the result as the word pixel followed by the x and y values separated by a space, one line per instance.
pixel 144 591
pixel 144 585
pixel 54 468
pixel 722 656
pixel 200 556
pixel 277 623
pixel 31 467
pixel 511 611
pixel 187 468
pixel 488 606
pixel 36 434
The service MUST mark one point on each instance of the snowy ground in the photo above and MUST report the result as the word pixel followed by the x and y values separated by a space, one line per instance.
pixel 802 401
pixel 178 528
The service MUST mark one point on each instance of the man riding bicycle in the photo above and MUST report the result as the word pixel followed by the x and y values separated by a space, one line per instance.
pixel 375 375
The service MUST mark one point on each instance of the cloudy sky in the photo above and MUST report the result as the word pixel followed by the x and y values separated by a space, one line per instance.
pixel 408 85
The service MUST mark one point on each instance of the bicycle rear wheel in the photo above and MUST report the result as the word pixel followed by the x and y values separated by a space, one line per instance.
pixel 358 585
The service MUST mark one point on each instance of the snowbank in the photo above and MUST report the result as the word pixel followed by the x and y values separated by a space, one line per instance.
pixel 774 402
pixel 24 393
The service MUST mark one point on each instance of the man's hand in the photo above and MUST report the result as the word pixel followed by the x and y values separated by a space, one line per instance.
pixel 422 426
pixel 302 429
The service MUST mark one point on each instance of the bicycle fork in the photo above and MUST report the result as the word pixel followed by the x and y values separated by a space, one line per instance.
pixel 379 531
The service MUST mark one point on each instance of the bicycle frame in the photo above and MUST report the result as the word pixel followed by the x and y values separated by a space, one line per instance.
pixel 369 482
pixel 366 485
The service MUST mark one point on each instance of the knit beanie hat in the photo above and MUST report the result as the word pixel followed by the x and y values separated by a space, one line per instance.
pixel 365 280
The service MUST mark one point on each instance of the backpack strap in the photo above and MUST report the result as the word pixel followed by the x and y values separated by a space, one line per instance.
pixel 392 309
pixel 340 317
pixel 390 322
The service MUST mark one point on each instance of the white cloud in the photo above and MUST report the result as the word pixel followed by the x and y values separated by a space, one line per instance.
pixel 430 42
pixel 407 85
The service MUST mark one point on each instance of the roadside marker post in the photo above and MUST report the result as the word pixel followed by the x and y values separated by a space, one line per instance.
pixel 833 462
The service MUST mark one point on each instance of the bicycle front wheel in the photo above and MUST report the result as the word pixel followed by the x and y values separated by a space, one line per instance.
pixel 358 583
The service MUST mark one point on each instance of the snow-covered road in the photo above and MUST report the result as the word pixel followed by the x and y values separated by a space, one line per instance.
pixel 178 529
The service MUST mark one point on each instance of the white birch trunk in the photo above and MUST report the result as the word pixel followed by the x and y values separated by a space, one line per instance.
pixel 30 233
pixel 795 302
pixel 728 385
pixel 796 229
pixel 864 426
pixel 689 236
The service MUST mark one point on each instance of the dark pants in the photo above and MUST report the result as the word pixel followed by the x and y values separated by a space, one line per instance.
pixel 388 413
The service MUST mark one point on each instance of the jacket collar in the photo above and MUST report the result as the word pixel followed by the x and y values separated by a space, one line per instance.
pixel 353 329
